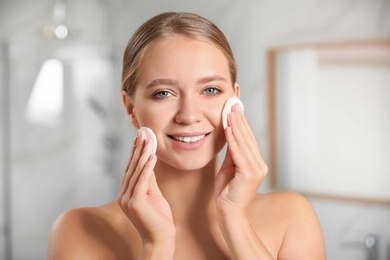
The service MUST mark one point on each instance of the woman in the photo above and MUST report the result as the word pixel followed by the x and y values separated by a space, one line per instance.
pixel 178 71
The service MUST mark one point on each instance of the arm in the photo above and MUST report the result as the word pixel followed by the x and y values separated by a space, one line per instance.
pixel 241 174
pixel 236 186
pixel 85 234
pixel 143 203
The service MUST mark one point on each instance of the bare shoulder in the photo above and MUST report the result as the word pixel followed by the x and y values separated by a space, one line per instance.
pixel 76 233
pixel 284 201
pixel 295 221
pixel 86 233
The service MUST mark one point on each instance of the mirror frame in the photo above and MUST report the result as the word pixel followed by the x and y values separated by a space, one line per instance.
pixel 273 159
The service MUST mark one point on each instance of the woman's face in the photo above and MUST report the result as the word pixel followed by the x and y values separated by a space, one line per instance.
pixel 182 87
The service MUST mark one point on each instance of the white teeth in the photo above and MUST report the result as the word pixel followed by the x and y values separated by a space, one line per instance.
pixel 189 139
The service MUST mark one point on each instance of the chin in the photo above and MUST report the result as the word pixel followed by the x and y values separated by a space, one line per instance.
pixel 192 163
pixel 191 166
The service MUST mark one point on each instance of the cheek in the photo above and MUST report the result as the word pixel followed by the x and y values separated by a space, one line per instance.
pixel 150 117
pixel 156 117
pixel 216 114
pixel 215 118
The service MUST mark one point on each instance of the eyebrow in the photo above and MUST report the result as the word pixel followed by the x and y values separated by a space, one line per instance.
pixel 171 82
pixel 162 81
pixel 211 78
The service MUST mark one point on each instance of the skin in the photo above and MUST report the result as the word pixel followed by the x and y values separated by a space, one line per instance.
pixel 179 204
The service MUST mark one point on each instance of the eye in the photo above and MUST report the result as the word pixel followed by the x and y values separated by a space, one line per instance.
pixel 212 91
pixel 162 94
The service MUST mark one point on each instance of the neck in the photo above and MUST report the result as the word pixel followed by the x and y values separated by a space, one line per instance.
pixel 190 194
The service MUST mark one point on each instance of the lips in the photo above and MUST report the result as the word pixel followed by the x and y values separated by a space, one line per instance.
pixel 189 138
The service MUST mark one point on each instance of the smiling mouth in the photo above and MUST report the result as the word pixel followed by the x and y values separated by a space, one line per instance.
pixel 188 139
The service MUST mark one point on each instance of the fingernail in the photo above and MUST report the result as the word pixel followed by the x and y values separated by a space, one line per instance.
pixel 240 109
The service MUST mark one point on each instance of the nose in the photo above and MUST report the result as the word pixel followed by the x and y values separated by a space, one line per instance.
pixel 189 111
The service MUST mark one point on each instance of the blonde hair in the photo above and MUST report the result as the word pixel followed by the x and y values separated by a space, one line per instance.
pixel 163 26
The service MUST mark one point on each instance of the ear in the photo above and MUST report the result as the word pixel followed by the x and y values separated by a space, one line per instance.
pixel 130 109
pixel 237 90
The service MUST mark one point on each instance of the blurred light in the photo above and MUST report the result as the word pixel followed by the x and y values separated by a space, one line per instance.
pixel 46 102
pixel 61 31
pixel 48 31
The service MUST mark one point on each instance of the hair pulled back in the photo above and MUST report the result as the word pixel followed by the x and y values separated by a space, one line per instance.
pixel 163 26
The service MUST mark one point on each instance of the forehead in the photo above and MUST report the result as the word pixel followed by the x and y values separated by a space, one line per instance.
pixel 180 55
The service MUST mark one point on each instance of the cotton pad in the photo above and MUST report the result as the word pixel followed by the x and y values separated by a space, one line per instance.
pixel 228 108
pixel 149 132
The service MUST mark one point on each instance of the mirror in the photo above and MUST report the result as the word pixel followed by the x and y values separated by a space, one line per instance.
pixel 329 120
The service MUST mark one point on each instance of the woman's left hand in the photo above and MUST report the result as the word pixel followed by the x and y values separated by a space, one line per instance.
pixel 243 169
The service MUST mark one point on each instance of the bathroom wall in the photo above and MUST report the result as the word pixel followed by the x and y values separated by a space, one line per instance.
pixel 57 176
pixel 4 145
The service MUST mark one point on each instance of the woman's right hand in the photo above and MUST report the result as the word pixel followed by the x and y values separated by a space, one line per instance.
pixel 142 201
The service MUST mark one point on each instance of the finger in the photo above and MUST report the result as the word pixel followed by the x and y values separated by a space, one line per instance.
pixel 233 147
pixel 147 178
pixel 244 150
pixel 241 117
pixel 126 175
pixel 153 186
pixel 130 158
pixel 143 159
pixel 228 161
pixel 248 167
pixel 241 129
pixel 132 153
pixel 137 151
pixel 243 133
pixel 235 137
pixel 253 145
pixel 225 175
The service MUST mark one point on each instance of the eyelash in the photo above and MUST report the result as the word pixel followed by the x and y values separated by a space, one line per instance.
pixel 218 91
pixel 159 94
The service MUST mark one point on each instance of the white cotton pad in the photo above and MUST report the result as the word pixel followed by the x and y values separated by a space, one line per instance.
pixel 149 132
pixel 228 108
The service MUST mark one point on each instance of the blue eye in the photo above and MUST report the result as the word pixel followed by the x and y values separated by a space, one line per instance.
pixel 212 91
pixel 162 94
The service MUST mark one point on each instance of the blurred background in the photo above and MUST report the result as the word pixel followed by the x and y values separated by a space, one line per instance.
pixel 65 138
